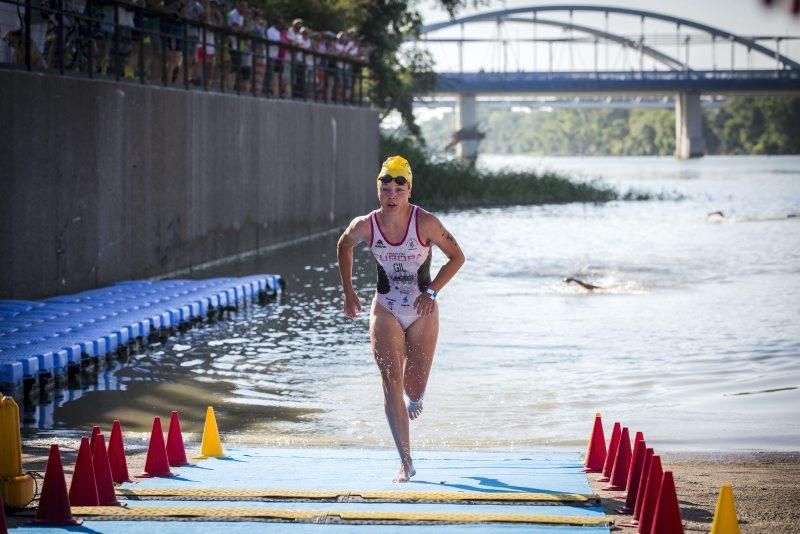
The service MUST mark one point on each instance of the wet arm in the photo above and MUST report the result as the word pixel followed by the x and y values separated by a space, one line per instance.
pixel 352 236
pixel 436 234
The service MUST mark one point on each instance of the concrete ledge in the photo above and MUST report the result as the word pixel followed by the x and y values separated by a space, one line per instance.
pixel 109 181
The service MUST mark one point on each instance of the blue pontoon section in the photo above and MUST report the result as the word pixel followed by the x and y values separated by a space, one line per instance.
pixel 40 340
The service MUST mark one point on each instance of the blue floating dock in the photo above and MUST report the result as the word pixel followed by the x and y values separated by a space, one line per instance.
pixel 42 340
pixel 356 472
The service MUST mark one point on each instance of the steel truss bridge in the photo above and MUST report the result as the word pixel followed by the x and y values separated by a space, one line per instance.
pixel 679 60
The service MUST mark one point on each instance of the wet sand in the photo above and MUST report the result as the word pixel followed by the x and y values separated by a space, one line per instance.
pixel 766 485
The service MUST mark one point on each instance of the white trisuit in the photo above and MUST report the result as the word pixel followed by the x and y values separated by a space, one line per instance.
pixel 404 268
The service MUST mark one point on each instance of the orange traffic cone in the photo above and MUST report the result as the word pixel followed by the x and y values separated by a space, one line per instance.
pixel 54 508
pixel 156 463
pixel 634 475
pixel 176 452
pixel 116 455
pixel 102 474
pixel 596 451
pixel 650 496
pixel 667 517
pixel 613 446
pixel 83 488
pixel 619 473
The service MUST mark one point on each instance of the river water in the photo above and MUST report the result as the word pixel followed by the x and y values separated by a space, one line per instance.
pixel 693 339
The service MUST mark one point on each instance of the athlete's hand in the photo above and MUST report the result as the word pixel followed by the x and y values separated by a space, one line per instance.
pixel 352 304
pixel 424 304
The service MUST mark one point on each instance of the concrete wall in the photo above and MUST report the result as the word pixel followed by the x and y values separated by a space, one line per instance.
pixel 105 182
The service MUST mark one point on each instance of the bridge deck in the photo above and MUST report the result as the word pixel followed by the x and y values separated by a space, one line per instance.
pixel 613 82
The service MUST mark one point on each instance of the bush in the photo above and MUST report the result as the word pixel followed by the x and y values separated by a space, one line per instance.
pixel 443 184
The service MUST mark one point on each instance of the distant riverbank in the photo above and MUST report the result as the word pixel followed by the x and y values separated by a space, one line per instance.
pixel 448 184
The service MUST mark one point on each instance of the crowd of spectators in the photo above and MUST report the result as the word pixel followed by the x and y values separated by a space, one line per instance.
pixel 236 47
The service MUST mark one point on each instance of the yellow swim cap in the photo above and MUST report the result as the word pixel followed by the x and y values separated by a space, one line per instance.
pixel 396 166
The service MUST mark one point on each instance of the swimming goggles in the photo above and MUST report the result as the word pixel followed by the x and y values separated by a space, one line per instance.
pixel 399 180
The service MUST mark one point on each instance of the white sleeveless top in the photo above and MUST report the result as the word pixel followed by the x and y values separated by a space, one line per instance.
pixel 404 268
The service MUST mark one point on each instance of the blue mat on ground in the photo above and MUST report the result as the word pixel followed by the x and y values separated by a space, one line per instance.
pixel 359 470
pixel 44 337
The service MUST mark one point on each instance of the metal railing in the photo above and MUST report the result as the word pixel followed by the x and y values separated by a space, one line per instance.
pixel 124 41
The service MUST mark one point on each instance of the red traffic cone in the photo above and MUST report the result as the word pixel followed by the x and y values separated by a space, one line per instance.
pixel 83 488
pixel 667 517
pixel 156 463
pixel 648 461
pixel 116 455
pixel 619 474
pixel 613 446
pixel 95 433
pixel 650 496
pixel 176 452
pixel 634 475
pixel 54 508
pixel 596 451
pixel 637 509
pixel 3 524
pixel 102 474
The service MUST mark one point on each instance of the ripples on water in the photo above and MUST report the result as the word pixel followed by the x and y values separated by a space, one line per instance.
pixel 693 338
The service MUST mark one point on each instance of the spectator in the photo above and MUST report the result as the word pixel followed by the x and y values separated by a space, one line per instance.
pixel 236 24
pixel 308 63
pixel 151 28
pixel 194 13
pixel 259 28
pixel 298 74
pixel 344 74
pixel 208 55
pixel 127 33
pixel 278 58
pixel 321 48
pixel 172 25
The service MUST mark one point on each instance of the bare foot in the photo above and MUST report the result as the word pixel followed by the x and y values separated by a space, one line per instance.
pixel 405 473
pixel 414 408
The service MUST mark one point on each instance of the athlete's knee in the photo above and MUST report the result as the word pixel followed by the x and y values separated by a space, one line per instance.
pixel 392 383
pixel 392 391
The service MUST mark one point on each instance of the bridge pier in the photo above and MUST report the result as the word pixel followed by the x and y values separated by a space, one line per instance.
pixel 466 117
pixel 689 141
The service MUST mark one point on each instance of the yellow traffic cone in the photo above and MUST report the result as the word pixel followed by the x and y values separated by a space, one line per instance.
pixel 16 487
pixel 211 446
pixel 725 521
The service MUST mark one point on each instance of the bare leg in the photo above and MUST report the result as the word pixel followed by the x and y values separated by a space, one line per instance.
pixel 420 346
pixel 388 347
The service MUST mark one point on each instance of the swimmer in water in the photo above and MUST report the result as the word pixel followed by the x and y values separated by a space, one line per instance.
pixel 404 316
pixel 581 283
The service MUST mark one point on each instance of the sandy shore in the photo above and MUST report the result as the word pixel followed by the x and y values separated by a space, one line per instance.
pixel 766 484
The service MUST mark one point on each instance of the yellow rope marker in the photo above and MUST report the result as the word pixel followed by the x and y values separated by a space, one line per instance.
pixel 15 486
pixel 355 496
pixel 223 514
pixel 211 446
pixel 725 521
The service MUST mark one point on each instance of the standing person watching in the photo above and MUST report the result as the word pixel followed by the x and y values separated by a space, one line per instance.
pixel 404 317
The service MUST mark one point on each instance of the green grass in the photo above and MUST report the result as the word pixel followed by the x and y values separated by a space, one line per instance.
pixel 448 184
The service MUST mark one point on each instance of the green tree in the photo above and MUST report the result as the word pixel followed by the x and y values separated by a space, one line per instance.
pixel 396 72
pixel 743 126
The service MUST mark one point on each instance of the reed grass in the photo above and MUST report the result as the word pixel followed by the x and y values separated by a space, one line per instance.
pixel 447 184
